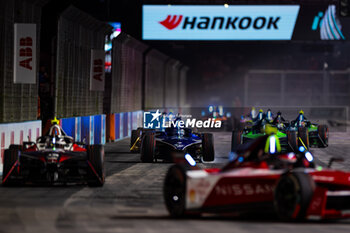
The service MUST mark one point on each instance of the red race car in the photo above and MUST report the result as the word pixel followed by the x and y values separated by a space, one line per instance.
pixel 260 180
pixel 54 158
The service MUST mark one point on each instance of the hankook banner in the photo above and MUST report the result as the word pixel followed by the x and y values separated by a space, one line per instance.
pixel 204 22
pixel 24 53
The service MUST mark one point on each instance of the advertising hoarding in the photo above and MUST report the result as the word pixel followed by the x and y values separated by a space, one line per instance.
pixel 24 53
pixel 216 22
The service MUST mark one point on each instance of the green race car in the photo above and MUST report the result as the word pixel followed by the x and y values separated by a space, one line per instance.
pixel 316 135
pixel 299 132
pixel 288 139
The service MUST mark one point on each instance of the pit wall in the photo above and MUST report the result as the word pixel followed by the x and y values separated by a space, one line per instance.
pixel 119 125
pixel 16 133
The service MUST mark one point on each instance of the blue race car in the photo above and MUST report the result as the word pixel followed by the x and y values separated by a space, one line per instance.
pixel 172 144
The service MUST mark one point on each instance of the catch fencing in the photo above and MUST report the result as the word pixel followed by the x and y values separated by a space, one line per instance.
pixel 126 79
pixel 18 102
pixel 143 78
pixel 78 33
pixel 297 88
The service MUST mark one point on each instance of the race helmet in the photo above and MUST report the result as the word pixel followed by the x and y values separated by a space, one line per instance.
pixel 260 114
pixel 301 117
pixel 253 113
pixel 269 115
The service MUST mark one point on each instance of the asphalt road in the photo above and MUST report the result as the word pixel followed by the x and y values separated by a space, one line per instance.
pixel 131 200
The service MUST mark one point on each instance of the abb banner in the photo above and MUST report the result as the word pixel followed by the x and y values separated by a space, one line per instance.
pixel 24 53
pixel 97 71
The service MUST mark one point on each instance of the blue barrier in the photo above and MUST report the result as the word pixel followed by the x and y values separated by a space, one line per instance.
pixel 91 129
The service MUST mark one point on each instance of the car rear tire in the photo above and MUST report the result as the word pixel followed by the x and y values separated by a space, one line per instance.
pixel 236 139
pixel 208 153
pixel 292 138
pixel 322 131
pixel 292 195
pixel 95 155
pixel 148 146
pixel 303 135
pixel 135 134
pixel 10 158
pixel 174 190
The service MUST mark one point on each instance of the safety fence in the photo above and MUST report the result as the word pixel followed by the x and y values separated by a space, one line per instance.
pixel 77 34
pixel 143 78
pixel 126 79
pixel 18 102
pixel 17 133
pixel 297 88
pixel 154 79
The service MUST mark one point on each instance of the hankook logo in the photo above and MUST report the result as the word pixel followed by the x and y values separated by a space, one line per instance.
pixel 222 23
pixel 171 22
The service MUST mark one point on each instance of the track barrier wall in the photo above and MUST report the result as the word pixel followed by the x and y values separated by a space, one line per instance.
pixel 88 129
pixel 121 124
pixel 17 133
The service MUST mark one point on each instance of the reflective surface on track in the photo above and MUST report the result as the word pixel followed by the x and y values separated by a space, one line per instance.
pixel 131 200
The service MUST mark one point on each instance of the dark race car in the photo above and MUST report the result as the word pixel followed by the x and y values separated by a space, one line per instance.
pixel 260 181
pixel 171 144
pixel 54 159
pixel 315 135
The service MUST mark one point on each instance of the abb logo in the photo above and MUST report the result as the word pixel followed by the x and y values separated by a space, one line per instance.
pixel 171 22
pixel 26 52
pixel 98 69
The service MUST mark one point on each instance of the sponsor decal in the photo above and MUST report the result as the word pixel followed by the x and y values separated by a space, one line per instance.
pixel 200 188
pixel 12 137
pixel 26 53
pixel 186 22
pixel 323 178
pixel 30 135
pixel 328 24
pixel 234 23
pixel 243 189
pixel 192 195
pixel 157 120
pixel 171 22
pixel 2 148
pixel 316 204
pixel 97 71
pixel 317 21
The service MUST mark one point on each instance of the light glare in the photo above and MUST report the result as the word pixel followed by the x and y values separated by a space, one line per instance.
pixel 190 160
pixel 309 156
pixel 272 145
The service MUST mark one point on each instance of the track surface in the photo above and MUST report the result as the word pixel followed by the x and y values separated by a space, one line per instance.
pixel 131 200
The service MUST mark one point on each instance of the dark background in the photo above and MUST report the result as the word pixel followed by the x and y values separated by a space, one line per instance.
pixel 217 68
